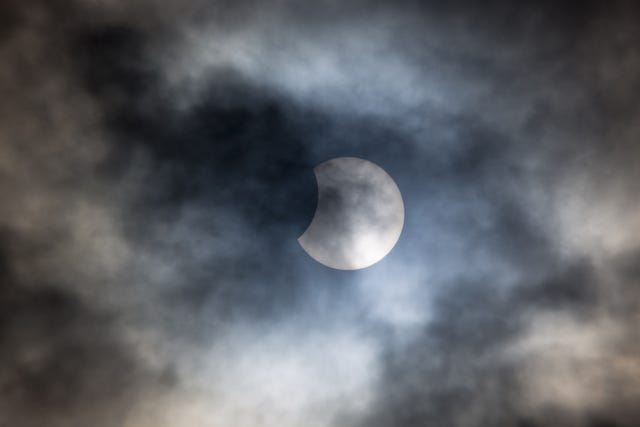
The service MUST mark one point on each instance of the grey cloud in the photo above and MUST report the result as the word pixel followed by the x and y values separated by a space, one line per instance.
pixel 157 162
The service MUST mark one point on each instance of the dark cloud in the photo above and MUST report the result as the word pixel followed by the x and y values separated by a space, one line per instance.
pixel 63 364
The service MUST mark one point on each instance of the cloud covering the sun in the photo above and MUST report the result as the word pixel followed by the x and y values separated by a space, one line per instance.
pixel 156 167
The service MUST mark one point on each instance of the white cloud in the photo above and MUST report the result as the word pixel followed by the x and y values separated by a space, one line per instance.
pixel 282 377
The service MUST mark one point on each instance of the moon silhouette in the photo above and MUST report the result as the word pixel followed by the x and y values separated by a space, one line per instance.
pixel 359 216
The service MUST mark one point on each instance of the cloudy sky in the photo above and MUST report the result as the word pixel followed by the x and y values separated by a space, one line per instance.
pixel 156 170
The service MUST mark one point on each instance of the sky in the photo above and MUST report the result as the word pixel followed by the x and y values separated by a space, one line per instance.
pixel 156 170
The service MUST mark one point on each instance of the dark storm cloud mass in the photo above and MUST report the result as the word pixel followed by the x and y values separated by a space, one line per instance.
pixel 62 363
pixel 156 162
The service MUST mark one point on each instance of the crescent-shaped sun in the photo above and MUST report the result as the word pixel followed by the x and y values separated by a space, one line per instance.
pixel 359 216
